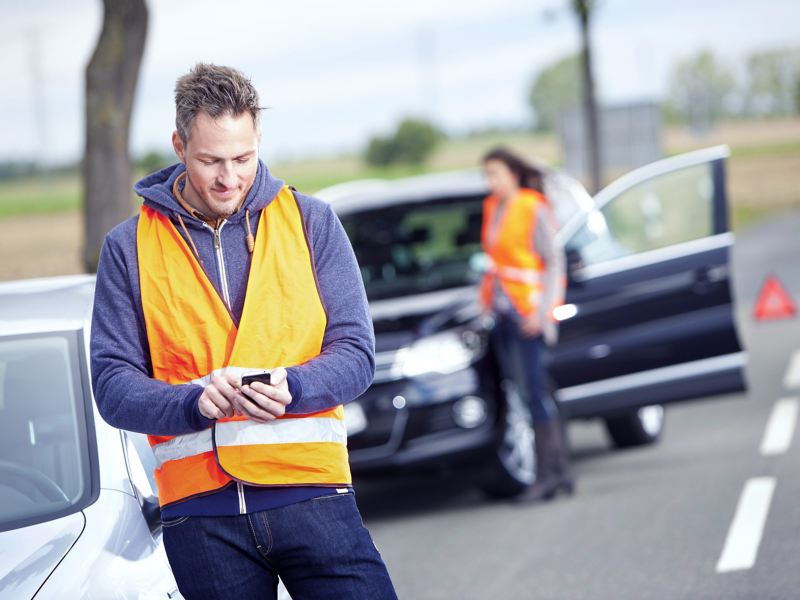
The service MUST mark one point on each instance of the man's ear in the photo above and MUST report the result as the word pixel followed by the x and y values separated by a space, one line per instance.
pixel 177 145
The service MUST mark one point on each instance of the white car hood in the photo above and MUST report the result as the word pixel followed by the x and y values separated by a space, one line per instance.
pixel 28 555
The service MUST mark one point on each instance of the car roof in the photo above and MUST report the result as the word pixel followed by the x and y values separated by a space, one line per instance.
pixel 377 193
pixel 46 304
pixel 568 194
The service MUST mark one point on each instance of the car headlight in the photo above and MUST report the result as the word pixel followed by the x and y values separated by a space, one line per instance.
pixel 443 353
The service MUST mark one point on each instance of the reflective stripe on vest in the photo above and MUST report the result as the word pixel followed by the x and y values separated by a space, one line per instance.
pixel 514 274
pixel 243 433
pixel 192 337
pixel 509 247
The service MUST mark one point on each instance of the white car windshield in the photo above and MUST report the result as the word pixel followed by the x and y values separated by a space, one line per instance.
pixel 41 455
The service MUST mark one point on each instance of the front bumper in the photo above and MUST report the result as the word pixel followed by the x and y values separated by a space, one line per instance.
pixel 415 421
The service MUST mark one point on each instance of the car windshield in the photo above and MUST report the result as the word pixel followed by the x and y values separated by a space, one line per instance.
pixel 42 461
pixel 417 247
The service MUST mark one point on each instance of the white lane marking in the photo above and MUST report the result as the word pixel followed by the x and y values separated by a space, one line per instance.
pixel 780 427
pixel 744 537
pixel 791 379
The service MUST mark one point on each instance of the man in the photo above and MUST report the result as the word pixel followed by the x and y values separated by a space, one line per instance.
pixel 226 272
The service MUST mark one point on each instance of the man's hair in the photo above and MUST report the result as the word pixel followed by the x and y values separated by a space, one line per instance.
pixel 215 90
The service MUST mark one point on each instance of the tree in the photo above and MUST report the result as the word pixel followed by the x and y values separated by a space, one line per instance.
pixel 154 161
pixel 797 97
pixel 411 143
pixel 555 88
pixel 772 77
pixel 111 78
pixel 700 88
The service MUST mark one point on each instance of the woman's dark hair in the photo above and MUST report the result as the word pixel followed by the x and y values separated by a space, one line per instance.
pixel 527 175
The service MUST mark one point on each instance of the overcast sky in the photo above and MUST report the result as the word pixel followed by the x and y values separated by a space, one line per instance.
pixel 334 73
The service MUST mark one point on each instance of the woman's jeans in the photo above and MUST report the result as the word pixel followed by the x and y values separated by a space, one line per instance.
pixel 320 548
pixel 522 361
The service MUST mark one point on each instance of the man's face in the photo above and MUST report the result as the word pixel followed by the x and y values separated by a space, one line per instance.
pixel 221 158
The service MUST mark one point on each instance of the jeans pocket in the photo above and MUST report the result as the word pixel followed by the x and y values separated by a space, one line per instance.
pixel 174 521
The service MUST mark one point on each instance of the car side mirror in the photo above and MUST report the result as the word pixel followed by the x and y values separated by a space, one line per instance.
pixel 152 513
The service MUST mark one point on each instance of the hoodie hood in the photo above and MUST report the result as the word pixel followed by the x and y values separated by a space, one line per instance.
pixel 156 190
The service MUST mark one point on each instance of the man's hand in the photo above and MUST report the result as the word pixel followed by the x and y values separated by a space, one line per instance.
pixel 261 402
pixel 216 401
pixel 531 325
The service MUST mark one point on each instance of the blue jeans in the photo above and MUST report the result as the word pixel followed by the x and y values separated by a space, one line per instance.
pixel 320 548
pixel 522 361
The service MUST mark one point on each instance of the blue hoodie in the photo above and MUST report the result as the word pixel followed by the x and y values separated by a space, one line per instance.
pixel 126 394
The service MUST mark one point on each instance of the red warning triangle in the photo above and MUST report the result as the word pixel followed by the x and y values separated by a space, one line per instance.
pixel 773 302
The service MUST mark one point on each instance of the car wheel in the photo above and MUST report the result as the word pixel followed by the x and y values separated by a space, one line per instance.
pixel 638 427
pixel 512 466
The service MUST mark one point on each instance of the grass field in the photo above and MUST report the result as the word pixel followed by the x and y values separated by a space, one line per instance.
pixel 41 231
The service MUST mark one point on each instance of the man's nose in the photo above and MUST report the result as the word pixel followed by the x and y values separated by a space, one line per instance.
pixel 227 174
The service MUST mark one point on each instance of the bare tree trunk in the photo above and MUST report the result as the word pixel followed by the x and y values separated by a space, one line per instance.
pixel 583 10
pixel 111 78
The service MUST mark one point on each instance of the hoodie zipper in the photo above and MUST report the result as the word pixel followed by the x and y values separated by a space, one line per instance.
pixel 223 276
pixel 223 282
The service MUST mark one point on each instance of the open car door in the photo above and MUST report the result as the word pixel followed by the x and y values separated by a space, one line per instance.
pixel 648 316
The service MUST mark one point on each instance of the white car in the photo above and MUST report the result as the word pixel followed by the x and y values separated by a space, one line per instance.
pixel 78 515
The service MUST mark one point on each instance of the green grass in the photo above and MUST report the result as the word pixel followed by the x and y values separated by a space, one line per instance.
pixel 774 149
pixel 315 175
pixel 42 194
pixel 40 204
pixel 742 216
pixel 58 193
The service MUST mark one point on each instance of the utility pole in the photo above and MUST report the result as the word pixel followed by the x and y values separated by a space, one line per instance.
pixel 39 105
pixel 583 10
pixel 426 57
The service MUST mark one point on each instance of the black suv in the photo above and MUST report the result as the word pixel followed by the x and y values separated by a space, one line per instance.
pixel 647 319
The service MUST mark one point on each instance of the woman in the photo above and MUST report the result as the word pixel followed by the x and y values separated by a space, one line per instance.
pixel 524 282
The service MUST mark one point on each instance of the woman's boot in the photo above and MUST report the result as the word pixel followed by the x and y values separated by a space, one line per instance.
pixel 553 473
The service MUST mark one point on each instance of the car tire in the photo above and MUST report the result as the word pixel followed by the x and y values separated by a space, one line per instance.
pixel 512 465
pixel 637 427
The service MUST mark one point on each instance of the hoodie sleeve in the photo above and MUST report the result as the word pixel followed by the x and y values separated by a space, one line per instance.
pixel 127 396
pixel 345 367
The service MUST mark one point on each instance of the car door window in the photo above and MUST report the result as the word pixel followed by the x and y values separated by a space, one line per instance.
pixel 661 211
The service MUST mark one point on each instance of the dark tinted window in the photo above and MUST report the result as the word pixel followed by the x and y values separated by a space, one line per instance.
pixel 412 248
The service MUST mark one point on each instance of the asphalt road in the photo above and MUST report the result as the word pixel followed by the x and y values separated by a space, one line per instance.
pixel 711 511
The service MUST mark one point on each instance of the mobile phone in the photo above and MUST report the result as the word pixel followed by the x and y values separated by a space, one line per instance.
pixel 262 377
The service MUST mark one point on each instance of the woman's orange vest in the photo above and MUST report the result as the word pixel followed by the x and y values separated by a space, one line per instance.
pixel 192 337
pixel 509 246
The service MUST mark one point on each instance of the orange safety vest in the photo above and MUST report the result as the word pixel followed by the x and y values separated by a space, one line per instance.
pixel 509 246
pixel 192 337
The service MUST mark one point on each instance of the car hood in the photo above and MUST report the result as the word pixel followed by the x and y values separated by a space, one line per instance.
pixel 28 555
pixel 399 321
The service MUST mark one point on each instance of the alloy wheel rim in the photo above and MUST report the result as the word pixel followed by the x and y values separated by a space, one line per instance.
pixel 517 450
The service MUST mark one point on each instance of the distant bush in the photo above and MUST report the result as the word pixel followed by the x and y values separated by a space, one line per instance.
pixel 154 161
pixel 412 143
pixel 11 170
